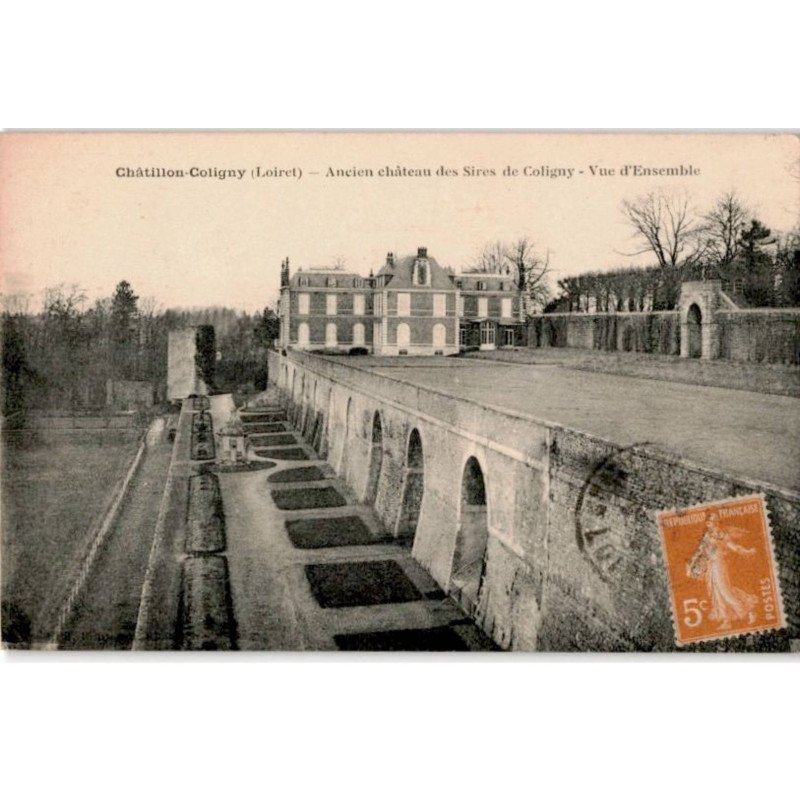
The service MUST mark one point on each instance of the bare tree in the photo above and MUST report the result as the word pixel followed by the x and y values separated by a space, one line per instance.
pixel 666 226
pixel 531 271
pixel 492 259
pixel 722 229
pixel 149 307
pixel 521 262
pixel 64 301
pixel 16 304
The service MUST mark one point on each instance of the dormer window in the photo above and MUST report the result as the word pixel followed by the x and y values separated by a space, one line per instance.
pixel 302 280
pixel 358 283
pixel 422 272
pixel 481 286
pixel 332 283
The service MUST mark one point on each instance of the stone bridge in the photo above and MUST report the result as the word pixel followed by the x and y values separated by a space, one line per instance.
pixel 546 535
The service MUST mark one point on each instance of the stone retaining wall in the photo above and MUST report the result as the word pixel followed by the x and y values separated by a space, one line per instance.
pixel 547 585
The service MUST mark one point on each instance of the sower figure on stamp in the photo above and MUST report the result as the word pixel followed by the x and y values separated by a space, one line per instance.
pixel 728 603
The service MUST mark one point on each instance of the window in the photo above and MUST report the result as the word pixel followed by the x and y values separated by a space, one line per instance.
pixel 505 305
pixel 302 303
pixel 738 285
pixel 330 304
pixel 483 306
pixel 403 335
pixel 358 334
pixel 460 306
pixel 462 337
pixel 378 305
pixel 481 286
pixel 332 282
pixel 358 283
pixel 487 333
pixel 439 335
pixel 358 304
pixel 302 281
pixel 330 335
pixel 403 304
pixel 509 337
pixel 439 305
pixel 302 334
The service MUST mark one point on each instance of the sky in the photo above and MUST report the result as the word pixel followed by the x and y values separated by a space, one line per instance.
pixel 66 216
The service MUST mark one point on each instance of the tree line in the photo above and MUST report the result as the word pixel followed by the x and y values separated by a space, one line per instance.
pixel 61 356
pixel 727 242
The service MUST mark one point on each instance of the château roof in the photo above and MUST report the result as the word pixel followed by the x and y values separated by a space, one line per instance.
pixel 400 272
pixel 493 281
pixel 319 277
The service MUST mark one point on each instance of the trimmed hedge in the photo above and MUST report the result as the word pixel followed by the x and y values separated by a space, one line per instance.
pixel 769 337
pixel 639 333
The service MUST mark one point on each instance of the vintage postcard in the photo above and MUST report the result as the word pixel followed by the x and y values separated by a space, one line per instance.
pixel 479 391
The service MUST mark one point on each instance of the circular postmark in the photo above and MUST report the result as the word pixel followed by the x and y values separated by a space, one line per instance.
pixel 606 506
pixel 616 535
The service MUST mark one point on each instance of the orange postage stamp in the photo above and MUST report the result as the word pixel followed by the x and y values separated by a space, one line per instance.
pixel 721 567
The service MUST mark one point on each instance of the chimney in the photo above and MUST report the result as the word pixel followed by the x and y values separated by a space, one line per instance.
pixel 390 259
pixel 422 252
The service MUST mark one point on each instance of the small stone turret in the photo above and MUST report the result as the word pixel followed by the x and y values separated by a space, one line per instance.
pixel 285 272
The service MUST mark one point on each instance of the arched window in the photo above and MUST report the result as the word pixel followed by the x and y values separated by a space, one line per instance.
pixel 358 334
pixel 330 335
pixel 302 334
pixel 439 335
pixel 403 335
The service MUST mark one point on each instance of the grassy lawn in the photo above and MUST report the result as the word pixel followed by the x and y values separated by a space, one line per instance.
pixel 780 379
pixel 54 488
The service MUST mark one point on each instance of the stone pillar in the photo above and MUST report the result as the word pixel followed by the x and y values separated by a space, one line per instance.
pixel 707 296
pixel 710 334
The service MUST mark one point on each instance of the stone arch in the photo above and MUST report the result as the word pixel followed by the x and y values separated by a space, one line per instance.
pixel 309 422
pixel 375 460
pixel 694 327
pixel 349 424
pixel 413 489
pixel 301 403
pixel 470 556
pixel 325 442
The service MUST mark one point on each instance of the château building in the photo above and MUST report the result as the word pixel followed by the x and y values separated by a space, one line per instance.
pixel 412 306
